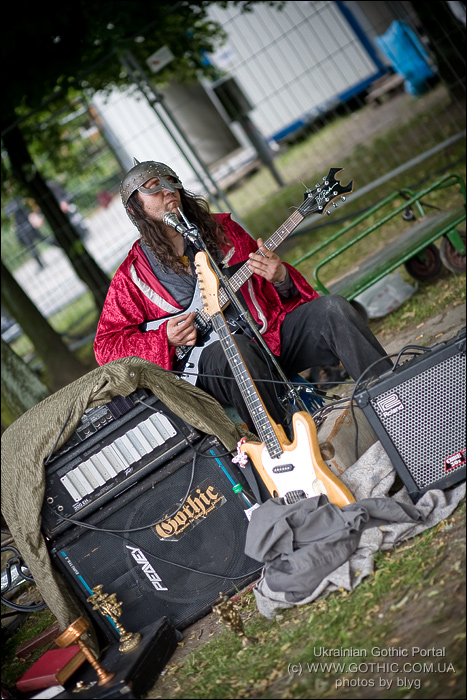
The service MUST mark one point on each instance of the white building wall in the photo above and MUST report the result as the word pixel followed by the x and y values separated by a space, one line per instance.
pixel 138 133
pixel 290 61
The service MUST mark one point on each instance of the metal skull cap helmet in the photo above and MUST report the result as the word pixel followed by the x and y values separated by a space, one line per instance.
pixel 141 173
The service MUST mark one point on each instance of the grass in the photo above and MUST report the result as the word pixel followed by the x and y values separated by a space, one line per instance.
pixel 12 666
pixel 431 298
pixel 419 125
pixel 412 598
pixel 362 621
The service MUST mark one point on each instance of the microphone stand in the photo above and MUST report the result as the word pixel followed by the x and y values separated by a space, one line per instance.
pixel 191 234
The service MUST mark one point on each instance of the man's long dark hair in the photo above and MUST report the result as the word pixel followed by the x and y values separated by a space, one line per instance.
pixel 196 210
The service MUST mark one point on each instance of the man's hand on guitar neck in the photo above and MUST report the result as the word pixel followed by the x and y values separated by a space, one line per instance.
pixel 181 330
pixel 267 264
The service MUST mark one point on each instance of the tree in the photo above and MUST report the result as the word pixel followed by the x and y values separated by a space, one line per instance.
pixel 61 364
pixel 447 41
pixel 71 51
pixel 66 49
pixel 26 173
pixel 21 388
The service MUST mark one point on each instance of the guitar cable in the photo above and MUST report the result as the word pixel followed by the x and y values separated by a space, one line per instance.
pixel 119 534
pixel 196 452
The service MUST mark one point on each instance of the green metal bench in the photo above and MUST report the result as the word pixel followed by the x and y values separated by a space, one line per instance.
pixel 414 248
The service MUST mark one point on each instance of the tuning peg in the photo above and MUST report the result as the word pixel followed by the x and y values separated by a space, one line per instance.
pixel 343 199
pixel 328 213
pixel 335 205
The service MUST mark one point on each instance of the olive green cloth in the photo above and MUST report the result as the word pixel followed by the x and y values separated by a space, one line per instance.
pixel 31 438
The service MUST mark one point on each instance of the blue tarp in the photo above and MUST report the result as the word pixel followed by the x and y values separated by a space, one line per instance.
pixel 407 56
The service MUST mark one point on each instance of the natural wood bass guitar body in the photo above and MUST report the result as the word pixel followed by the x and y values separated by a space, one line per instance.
pixel 299 472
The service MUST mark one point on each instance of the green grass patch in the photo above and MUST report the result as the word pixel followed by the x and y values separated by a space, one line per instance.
pixel 421 124
pixel 406 582
pixel 431 298
pixel 362 621
pixel 13 667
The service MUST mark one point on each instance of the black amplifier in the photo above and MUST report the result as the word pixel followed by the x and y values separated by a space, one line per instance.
pixel 418 412
pixel 167 546
pixel 96 418
pixel 114 446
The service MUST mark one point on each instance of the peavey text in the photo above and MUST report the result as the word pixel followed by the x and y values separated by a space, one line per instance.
pixel 147 568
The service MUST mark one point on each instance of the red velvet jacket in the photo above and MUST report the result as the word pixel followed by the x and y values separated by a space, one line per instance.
pixel 136 296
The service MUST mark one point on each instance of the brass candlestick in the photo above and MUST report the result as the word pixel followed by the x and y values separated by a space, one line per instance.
pixel 231 617
pixel 107 604
pixel 72 635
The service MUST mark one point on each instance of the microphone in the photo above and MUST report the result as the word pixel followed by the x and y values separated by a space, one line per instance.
pixel 174 221
pixel 189 232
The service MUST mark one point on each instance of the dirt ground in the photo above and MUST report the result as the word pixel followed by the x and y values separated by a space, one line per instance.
pixel 425 618
pixel 434 330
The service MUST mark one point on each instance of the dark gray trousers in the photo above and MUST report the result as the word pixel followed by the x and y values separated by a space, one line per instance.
pixel 325 331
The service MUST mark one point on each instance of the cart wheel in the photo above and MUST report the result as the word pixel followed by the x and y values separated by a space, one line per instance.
pixel 450 257
pixel 425 265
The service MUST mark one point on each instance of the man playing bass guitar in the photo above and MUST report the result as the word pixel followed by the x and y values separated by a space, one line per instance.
pixel 149 310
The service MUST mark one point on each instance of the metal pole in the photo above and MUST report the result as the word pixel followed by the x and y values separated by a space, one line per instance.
pixel 155 100
pixel 261 146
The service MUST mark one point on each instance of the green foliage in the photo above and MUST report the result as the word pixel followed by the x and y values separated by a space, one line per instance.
pixel 67 47
pixel 68 52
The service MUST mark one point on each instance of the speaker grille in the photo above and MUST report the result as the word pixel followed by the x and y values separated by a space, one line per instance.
pixel 179 569
pixel 425 419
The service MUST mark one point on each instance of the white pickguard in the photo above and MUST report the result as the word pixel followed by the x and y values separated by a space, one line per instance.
pixel 196 304
pixel 303 476
pixel 190 373
pixel 191 365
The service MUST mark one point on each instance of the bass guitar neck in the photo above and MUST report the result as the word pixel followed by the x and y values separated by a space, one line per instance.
pixel 290 470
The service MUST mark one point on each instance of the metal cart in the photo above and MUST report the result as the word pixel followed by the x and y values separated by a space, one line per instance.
pixel 414 248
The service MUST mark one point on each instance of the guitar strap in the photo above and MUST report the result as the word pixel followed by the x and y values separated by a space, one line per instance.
pixel 255 482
